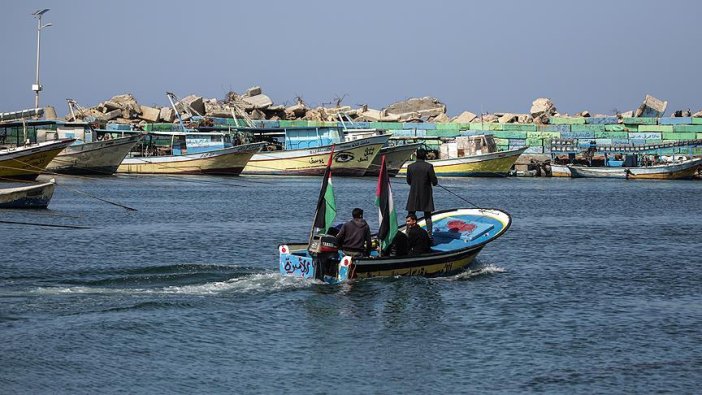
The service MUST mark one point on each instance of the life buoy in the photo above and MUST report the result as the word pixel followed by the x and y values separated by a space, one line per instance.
pixel 346 261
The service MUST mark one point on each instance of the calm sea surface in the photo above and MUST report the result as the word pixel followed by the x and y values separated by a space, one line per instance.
pixel 596 288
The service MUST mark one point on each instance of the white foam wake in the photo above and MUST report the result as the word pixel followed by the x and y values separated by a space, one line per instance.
pixel 252 283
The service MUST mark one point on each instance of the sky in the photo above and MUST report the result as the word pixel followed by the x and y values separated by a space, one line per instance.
pixel 480 56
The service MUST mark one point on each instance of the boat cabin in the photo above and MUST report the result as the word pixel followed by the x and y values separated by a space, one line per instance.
pixel 19 133
pixel 178 143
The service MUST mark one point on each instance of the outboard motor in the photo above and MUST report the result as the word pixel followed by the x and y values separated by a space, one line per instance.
pixel 325 256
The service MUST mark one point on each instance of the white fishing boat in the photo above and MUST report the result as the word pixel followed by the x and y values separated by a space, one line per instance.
pixel 27 162
pixel 672 171
pixel 351 158
pixel 30 196
pixel 96 158
pixel 226 161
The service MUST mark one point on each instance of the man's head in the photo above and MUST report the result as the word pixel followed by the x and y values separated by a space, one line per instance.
pixel 357 213
pixel 421 153
pixel 411 220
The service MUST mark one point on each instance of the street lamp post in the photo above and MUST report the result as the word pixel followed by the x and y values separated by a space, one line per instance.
pixel 37 86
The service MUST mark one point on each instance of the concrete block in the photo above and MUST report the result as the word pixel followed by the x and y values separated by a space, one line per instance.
pixel 253 91
pixel 464 117
pixel 193 102
pixel 426 107
pixel 150 114
pixel 651 107
pixel 167 114
pixel 110 115
pixel 507 118
pixel 110 105
pixel 258 101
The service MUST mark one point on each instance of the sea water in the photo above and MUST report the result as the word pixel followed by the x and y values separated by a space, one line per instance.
pixel 594 289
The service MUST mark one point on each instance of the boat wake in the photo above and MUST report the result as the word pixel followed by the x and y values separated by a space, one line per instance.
pixel 479 271
pixel 184 279
pixel 249 284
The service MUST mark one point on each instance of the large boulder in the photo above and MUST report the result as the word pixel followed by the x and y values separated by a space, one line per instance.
pixel 541 109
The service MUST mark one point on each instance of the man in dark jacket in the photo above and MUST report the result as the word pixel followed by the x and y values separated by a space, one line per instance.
pixel 421 177
pixel 417 238
pixel 355 237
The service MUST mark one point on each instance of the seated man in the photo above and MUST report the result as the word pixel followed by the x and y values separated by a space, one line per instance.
pixel 399 245
pixel 417 238
pixel 354 238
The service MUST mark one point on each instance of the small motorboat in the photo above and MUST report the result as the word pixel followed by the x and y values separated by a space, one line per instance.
pixel 459 235
pixel 31 196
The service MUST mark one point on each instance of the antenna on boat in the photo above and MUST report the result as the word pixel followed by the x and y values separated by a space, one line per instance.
pixel 173 98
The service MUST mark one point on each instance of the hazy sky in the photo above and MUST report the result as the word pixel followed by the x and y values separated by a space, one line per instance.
pixel 492 56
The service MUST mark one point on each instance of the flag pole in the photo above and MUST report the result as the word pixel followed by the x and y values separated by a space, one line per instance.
pixel 327 173
pixel 386 208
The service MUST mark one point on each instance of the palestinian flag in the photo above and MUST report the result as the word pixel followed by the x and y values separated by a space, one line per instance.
pixel 387 217
pixel 326 206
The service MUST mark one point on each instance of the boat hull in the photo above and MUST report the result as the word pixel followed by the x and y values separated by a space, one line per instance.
pixel 395 157
pixel 28 197
pixel 494 164
pixel 560 171
pixel 675 171
pixel 97 158
pixel 459 234
pixel 351 158
pixel 26 163
pixel 228 161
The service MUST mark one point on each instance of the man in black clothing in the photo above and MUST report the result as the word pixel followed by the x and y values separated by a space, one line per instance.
pixel 355 237
pixel 399 245
pixel 417 238
pixel 421 178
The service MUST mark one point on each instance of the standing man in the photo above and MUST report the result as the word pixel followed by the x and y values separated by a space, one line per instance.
pixel 421 178
pixel 355 237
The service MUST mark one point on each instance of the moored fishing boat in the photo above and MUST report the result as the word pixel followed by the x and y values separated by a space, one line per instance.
pixel 395 157
pixel 671 171
pixel 492 164
pixel 95 158
pixel 351 158
pixel 558 170
pixel 27 162
pixel 30 196
pixel 225 161
pixel 92 152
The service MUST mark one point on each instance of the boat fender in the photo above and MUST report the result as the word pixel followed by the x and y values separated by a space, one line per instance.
pixel 346 261
pixel 283 249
